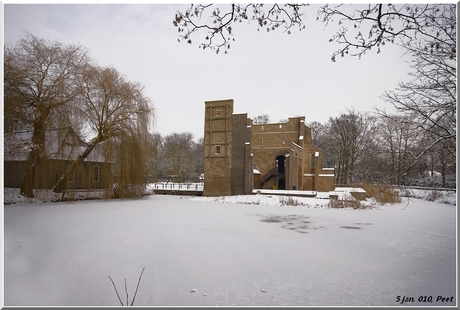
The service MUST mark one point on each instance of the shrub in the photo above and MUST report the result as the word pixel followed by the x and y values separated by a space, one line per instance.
pixel 347 201
pixel 382 193
pixel 434 195
pixel 127 190
pixel 289 201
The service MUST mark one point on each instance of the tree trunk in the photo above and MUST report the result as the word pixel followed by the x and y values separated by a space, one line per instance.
pixel 28 182
pixel 443 173
pixel 59 186
pixel 33 159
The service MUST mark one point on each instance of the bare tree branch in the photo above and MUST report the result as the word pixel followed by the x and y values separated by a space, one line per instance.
pixel 375 25
pixel 218 24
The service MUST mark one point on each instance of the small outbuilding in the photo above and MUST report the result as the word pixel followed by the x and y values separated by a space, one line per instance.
pixel 62 147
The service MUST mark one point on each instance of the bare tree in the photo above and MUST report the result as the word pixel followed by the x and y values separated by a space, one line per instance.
pixel 219 32
pixel 350 136
pixel 317 130
pixel 16 113
pixel 427 33
pixel 320 138
pixel 114 110
pixel 198 156
pixel 40 77
pixel 154 156
pixel 361 27
pixel 178 155
pixel 436 155
pixel 429 98
pixel 397 138
pixel 368 26
pixel 261 119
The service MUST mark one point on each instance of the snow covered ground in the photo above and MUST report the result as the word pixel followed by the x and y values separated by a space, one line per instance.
pixel 198 251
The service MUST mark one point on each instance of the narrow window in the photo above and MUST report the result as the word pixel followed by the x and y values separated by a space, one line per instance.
pixel 217 149
pixel 218 113
pixel 71 177
pixel 313 161
pixel 262 143
pixel 96 173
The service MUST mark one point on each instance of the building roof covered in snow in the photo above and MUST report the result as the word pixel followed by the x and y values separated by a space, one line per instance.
pixel 60 144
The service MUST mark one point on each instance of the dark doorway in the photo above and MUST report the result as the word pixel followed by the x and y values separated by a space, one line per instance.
pixel 280 163
pixel 281 184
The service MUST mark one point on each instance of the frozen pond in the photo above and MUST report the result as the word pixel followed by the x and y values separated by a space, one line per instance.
pixel 205 253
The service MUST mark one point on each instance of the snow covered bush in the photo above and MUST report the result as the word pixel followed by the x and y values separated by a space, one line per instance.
pixel 347 201
pixel 382 193
pixel 442 196
pixel 289 201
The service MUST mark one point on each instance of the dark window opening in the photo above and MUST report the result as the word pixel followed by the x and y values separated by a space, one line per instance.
pixel 96 174
pixel 280 163
pixel 281 184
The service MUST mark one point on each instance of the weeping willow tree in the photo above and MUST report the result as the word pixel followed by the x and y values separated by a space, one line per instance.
pixel 39 78
pixel 129 155
pixel 116 117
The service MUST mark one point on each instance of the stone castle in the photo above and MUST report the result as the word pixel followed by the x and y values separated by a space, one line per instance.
pixel 240 156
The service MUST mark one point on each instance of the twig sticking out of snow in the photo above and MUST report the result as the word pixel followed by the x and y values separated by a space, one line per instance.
pixel 116 291
pixel 139 281
pixel 126 289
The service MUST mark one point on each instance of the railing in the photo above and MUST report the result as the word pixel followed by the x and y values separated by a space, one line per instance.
pixel 268 176
pixel 406 187
pixel 430 188
pixel 178 186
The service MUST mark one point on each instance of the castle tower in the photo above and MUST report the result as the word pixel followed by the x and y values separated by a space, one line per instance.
pixel 283 153
pixel 228 164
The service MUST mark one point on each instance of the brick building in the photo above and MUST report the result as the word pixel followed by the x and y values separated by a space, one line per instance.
pixel 241 156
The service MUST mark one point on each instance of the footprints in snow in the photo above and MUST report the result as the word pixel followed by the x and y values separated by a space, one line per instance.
pixel 296 223
pixel 301 224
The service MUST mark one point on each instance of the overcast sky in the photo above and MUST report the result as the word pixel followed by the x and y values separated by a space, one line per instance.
pixel 265 73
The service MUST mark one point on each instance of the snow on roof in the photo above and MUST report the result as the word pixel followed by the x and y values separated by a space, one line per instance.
pixel 17 145
pixel 297 145
pixel 350 189
pixel 61 143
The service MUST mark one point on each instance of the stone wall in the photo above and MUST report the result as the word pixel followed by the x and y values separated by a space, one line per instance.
pixel 242 164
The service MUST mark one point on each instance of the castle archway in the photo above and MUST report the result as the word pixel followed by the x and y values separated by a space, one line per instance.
pixel 281 184
pixel 280 163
